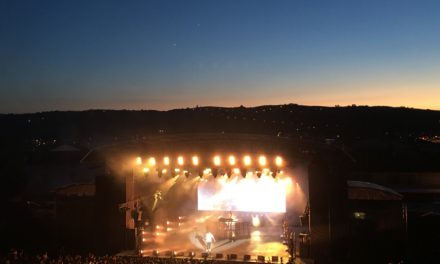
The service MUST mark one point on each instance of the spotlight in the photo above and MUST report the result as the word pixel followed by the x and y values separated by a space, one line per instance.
pixel 176 172
pixel 278 161
pixel 262 161
pixel 166 161
pixel 146 171
pixel 195 160
pixel 180 160
pixel 138 160
pixel 217 161
pixel 236 171
pixel 231 160
pixel 152 162
pixel 247 160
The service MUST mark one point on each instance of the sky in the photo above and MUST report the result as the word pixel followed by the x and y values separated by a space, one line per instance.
pixel 78 55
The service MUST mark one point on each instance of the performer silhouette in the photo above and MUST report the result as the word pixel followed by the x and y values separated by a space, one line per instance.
pixel 209 240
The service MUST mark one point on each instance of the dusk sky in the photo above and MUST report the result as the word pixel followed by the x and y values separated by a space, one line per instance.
pixel 78 55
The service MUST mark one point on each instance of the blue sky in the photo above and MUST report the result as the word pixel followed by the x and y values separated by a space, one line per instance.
pixel 75 55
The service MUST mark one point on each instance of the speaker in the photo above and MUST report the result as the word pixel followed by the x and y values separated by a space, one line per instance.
pixel 232 256
pixel 274 258
pixel 247 257
pixel 261 259
pixel 219 256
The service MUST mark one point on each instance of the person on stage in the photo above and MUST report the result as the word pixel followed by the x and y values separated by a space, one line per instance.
pixel 209 240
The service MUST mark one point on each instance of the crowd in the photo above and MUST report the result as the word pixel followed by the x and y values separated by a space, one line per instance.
pixel 15 257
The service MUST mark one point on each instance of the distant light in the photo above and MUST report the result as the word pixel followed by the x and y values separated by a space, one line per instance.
pixel 255 221
pixel 279 161
pixel 164 171
pixel 195 160
pixel 236 171
pixel 231 160
pixel 146 170
pixel 262 161
pixel 217 161
pixel 176 170
pixel 247 160
pixel 207 171
pixel 180 160
pixel 138 160
pixel 152 162
pixel 166 161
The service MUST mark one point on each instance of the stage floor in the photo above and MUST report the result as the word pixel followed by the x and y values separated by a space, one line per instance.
pixel 262 242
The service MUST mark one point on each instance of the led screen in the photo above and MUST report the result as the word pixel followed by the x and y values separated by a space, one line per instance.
pixel 263 194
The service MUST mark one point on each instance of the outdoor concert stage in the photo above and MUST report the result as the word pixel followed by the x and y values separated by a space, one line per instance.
pixel 250 201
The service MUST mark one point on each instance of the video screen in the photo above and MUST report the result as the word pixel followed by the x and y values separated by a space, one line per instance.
pixel 263 194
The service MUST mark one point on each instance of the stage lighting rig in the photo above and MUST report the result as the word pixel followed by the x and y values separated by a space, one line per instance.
pixel 166 161
pixel 247 160
pixel 180 161
pixel 195 160
pixel 151 162
pixel 262 161
pixel 279 161
pixel 232 160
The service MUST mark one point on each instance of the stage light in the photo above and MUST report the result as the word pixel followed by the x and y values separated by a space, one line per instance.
pixel 255 221
pixel 180 160
pixel 152 162
pixel 231 160
pixel 138 160
pixel 195 160
pixel 166 161
pixel 278 161
pixel 207 171
pixel 217 161
pixel 247 160
pixel 236 171
pixel 262 161
pixel 146 170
